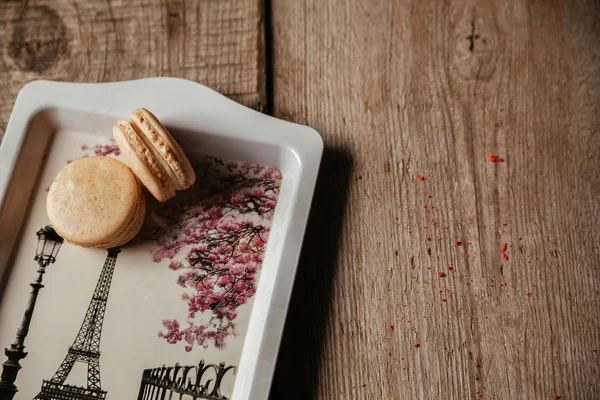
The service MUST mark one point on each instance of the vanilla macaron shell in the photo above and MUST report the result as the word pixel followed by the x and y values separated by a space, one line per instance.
pixel 153 155
pixel 96 202
pixel 166 146
pixel 141 160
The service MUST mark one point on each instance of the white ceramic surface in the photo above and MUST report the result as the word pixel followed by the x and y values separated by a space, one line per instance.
pixel 203 121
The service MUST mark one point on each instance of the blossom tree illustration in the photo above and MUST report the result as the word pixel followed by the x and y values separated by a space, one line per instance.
pixel 102 149
pixel 216 246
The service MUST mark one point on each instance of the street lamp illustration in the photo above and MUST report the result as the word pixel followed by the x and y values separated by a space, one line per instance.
pixel 49 243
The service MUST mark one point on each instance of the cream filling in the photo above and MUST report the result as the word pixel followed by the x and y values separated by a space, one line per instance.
pixel 145 151
pixel 164 144
pixel 148 137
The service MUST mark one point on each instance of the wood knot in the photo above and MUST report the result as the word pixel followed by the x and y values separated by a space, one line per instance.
pixel 38 39
pixel 475 48
pixel 175 10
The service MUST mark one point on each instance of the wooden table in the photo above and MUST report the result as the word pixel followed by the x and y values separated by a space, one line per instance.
pixel 403 290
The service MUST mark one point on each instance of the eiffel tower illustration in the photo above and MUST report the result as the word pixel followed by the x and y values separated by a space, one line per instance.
pixel 86 347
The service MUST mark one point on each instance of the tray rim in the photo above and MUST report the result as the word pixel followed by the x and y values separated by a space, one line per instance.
pixel 259 354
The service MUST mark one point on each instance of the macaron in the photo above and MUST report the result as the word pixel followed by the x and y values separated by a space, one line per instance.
pixel 96 202
pixel 153 155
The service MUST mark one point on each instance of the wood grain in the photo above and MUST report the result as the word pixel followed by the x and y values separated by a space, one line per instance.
pixel 217 43
pixel 406 88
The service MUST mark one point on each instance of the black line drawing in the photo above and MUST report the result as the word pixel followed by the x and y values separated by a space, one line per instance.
pixel 49 243
pixel 183 382
pixel 202 381
pixel 86 347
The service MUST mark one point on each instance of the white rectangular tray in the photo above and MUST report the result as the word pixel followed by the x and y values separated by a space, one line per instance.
pixel 48 115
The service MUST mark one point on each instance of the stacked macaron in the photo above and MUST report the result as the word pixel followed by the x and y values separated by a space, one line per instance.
pixel 154 155
pixel 98 201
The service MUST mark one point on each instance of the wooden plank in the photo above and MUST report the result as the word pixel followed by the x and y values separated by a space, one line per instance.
pixel 406 88
pixel 217 43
